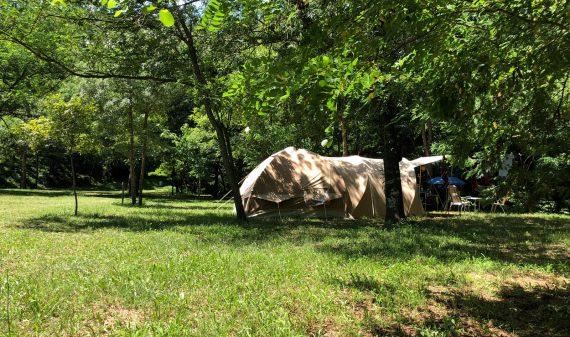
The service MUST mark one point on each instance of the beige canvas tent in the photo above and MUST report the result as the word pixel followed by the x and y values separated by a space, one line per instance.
pixel 300 182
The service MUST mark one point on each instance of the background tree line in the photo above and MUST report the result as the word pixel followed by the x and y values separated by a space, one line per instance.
pixel 199 92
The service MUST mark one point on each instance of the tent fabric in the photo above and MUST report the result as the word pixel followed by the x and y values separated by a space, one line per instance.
pixel 421 161
pixel 299 182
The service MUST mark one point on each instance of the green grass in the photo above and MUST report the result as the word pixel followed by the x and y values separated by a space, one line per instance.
pixel 185 268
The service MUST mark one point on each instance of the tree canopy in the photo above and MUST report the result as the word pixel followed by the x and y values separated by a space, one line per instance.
pixel 198 93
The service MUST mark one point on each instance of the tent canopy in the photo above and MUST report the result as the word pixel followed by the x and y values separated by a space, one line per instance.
pixel 421 161
pixel 300 182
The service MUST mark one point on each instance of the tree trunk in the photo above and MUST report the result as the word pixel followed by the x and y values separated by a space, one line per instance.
pixel 133 183
pixel 143 158
pixel 36 181
pixel 223 136
pixel 23 168
pixel 392 158
pixel 426 138
pixel 172 177
pixel 343 128
pixel 73 183
pixel 558 201
pixel 216 190
pixel 199 188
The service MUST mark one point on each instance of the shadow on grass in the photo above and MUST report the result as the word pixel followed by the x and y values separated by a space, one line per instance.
pixel 35 193
pixel 50 223
pixel 189 206
pixel 94 192
pixel 515 311
pixel 155 196
pixel 515 239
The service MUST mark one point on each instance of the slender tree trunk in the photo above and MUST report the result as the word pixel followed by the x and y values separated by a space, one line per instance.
pixel 429 126
pixel 133 183
pixel 23 168
pixel 199 188
pixel 425 141
pixel 172 177
pixel 222 133
pixel 36 181
pixel 74 186
pixel 216 191
pixel 392 158
pixel 228 159
pixel 344 135
pixel 143 158
pixel 558 201
pixel 343 128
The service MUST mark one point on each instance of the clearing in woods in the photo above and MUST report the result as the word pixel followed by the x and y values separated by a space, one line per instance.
pixel 184 267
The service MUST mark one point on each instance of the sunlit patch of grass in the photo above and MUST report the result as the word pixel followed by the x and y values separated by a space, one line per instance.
pixel 185 267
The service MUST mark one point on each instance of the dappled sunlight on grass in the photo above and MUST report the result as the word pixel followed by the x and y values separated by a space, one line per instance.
pixel 187 267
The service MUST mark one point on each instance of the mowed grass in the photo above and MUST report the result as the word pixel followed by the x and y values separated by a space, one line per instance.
pixel 185 268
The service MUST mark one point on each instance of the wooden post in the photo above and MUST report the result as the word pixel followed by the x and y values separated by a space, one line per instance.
pixel 122 192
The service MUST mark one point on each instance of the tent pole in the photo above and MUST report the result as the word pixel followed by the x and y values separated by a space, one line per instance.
pixel 279 209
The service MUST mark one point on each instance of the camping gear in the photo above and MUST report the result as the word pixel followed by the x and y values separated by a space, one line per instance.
pixel 501 203
pixel 456 200
pixel 300 182
pixel 450 181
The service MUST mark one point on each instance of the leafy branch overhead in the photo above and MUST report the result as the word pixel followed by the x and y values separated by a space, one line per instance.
pixel 212 17
pixel 164 14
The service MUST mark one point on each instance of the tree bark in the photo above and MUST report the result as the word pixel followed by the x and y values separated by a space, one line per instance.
pixel 427 138
pixel 222 133
pixel 36 181
pixel 392 158
pixel 216 190
pixel 23 168
pixel 172 177
pixel 73 184
pixel 132 183
pixel 143 158
pixel 343 128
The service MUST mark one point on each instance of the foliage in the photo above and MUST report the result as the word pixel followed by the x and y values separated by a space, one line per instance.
pixel 70 122
pixel 489 78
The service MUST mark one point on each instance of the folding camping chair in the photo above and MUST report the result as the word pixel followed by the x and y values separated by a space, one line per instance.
pixel 501 203
pixel 455 200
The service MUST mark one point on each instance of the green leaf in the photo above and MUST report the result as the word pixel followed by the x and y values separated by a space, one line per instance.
pixel 59 2
pixel 331 104
pixel 326 60
pixel 150 8
pixel 284 97
pixel 165 17
pixel 212 18
pixel 111 4
pixel 118 13
pixel 322 83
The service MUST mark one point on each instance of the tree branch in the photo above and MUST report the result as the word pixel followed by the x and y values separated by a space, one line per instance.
pixel 84 73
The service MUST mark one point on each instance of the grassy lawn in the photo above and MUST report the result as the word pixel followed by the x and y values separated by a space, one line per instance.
pixel 184 268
